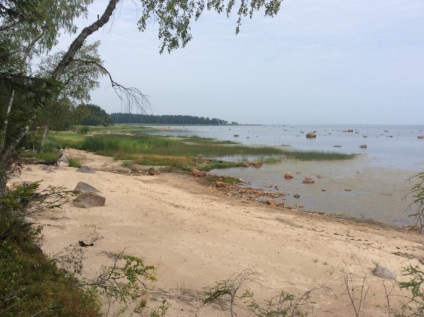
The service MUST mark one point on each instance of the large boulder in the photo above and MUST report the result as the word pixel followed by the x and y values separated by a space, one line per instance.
pixel 86 188
pixel 90 199
pixel 311 135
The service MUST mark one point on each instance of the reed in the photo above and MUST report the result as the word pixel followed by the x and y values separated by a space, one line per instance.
pixel 318 155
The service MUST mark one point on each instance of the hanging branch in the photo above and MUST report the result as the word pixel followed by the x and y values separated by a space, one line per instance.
pixel 130 96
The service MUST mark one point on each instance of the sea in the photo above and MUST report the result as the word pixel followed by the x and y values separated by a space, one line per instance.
pixel 373 186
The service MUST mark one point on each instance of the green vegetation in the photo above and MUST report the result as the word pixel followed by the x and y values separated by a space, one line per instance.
pixel 227 180
pixel 318 155
pixel 46 157
pixel 164 119
pixel 74 163
pixel 30 283
pixel 417 193
pixel 132 144
pixel 94 115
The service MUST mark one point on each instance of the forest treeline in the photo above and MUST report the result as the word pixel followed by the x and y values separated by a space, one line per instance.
pixel 166 119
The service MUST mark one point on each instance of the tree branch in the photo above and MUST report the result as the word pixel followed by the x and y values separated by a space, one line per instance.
pixel 130 96
pixel 79 41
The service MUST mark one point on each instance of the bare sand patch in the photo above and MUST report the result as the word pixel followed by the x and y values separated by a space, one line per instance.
pixel 196 236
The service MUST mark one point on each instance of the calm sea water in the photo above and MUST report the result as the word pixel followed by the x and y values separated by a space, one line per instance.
pixel 371 186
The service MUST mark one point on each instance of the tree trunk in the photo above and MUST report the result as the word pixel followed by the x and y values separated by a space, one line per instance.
pixel 43 139
pixel 7 149
pixel 6 121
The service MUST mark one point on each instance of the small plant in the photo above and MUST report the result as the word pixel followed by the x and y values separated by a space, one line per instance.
pixel 417 193
pixel 127 164
pixel 74 163
pixel 161 310
pixel 123 281
pixel 415 306
pixel 284 304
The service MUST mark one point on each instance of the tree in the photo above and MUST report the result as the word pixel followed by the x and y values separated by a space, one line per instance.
pixel 97 116
pixel 30 29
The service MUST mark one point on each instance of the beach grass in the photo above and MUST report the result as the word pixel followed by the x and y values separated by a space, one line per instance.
pixel 142 148
pixel 319 155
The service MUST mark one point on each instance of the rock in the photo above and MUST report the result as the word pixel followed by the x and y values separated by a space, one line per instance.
pixel 153 171
pixel 86 169
pixel 89 199
pixel 236 135
pixel 308 180
pixel 63 160
pixel 83 244
pixel 348 189
pixel 363 146
pixel 86 188
pixel 198 173
pixel 15 184
pixel 319 176
pixel 288 175
pixel 296 196
pixel 255 164
pixel 311 135
pixel 383 272
pixel 323 190
pixel 272 202
pixel 221 184
pixel 29 169
pixel 29 220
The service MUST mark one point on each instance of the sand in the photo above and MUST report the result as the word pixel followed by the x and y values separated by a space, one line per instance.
pixel 195 236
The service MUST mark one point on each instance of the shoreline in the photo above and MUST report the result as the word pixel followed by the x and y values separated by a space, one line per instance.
pixel 196 237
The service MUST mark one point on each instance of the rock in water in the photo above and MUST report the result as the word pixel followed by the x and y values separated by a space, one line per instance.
pixel 311 135
pixel 308 180
pixel 288 175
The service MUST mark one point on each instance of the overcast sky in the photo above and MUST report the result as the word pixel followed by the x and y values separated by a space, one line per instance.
pixel 318 61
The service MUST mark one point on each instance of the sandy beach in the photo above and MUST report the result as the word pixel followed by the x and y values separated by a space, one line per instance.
pixel 196 235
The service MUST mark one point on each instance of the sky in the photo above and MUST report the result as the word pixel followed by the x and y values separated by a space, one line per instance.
pixel 317 62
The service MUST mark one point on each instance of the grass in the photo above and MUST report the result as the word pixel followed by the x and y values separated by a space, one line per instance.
pixel 132 143
pixel 318 155
pixel 227 180
pixel 74 163
pixel 46 157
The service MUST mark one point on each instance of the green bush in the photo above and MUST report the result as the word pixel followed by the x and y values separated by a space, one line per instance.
pixel 30 283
